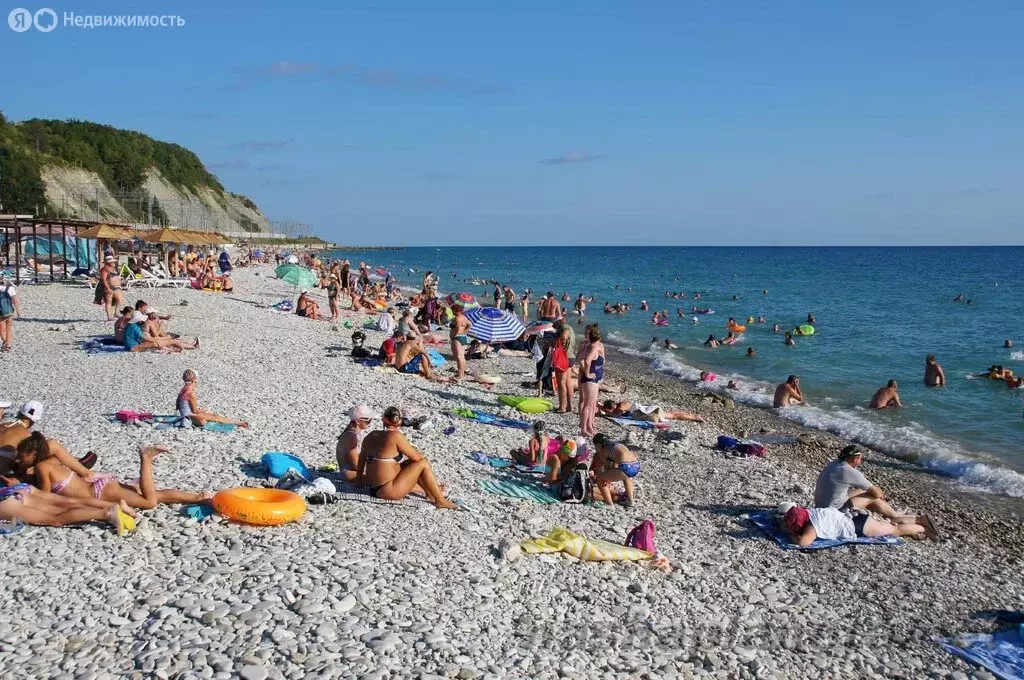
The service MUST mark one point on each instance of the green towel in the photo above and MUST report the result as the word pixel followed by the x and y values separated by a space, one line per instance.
pixel 521 490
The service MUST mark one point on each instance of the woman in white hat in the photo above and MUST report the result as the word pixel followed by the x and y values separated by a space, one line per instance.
pixel 350 443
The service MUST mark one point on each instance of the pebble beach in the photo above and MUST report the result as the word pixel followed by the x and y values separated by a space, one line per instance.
pixel 363 590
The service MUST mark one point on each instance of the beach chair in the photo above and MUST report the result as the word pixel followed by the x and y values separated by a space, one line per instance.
pixel 155 281
pixel 129 278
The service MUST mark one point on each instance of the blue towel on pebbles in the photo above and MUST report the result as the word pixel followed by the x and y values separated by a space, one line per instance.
pixel 1001 654
pixel 768 522
pixel 488 419
pixel 631 422
pixel 198 512
pixel 526 491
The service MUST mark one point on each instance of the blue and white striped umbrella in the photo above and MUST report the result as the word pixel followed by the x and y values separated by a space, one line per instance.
pixel 491 324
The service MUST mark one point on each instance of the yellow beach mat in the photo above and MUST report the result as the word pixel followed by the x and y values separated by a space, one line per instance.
pixel 581 547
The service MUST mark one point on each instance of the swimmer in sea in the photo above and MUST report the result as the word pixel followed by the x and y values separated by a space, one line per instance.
pixel 711 342
pixel 959 298
pixel 789 339
pixel 886 397
pixel 751 353
pixel 643 305
pixel 761 319
pixel 732 384
pixel 776 328
pixel 934 376
pixel 654 340
pixel 1008 344
pixel 696 321
pixel 750 320
pixel 764 292
pixel 810 318
pixel 789 394
pixel 670 345
pixel 735 297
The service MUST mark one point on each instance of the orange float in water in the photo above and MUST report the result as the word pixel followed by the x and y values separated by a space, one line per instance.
pixel 263 507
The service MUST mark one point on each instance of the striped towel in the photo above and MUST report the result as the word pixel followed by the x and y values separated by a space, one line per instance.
pixel 522 490
pixel 582 548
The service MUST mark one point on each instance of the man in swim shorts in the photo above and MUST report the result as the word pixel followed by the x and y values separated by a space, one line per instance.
pixel 411 358
pixel 934 376
pixel 789 394
pixel 549 309
pixel 886 397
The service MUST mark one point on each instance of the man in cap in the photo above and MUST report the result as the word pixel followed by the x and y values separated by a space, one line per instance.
pixel 843 487
pixel 12 434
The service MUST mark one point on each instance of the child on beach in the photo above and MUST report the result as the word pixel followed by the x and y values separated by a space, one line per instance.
pixel 188 407
pixel 51 475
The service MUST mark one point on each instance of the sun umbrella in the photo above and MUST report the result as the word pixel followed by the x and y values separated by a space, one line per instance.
pixel 465 299
pixel 539 328
pixel 296 275
pixel 491 324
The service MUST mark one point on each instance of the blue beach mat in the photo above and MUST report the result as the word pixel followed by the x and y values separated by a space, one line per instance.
pixel 95 347
pixel 170 422
pixel 768 522
pixel 525 491
pixel 488 419
pixel 632 422
pixel 1001 654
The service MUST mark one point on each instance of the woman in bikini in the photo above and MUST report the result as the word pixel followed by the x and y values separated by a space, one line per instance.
pixel 22 502
pixel 51 475
pixel 188 406
pixel 613 462
pixel 536 450
pixel 591 366
pixel 459 339
pixel 392 467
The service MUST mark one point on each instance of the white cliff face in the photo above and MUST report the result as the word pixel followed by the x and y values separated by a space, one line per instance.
pixel 80 194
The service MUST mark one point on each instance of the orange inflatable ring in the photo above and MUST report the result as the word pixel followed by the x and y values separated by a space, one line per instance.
pixel 264 507
pixel 735 327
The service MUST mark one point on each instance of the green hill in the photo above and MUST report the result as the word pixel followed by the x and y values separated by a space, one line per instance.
pixel 121 159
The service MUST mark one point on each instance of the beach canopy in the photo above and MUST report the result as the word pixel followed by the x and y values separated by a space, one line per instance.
pixel 163 236
pixel 107 233
pixel 465 299
pixel 491 324
pixel 296 275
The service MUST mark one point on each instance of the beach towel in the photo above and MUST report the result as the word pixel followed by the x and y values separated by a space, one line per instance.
pixel 526 491
pixel 171 422
pixel 768 522
pixel 505 463
pixel 488 419
pixel 1001 654
pixel 199 512
pixel 95 347
pixel 582 548
pixel 642 424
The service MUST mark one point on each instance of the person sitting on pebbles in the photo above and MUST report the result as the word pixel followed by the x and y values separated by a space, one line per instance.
pixel 137 340
pixel 391 467
pixel 22 502
pixel 410 357
pixel 843 487
pixel 805 525
pixel 350 443
pixel 536 450
pixel 613 462
pixel 188 406
pixel 646 412
pixel 53 476
pixel 563 461
pixel 12 434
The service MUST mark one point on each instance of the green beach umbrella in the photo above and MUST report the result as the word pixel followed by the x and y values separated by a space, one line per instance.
pixel 296 275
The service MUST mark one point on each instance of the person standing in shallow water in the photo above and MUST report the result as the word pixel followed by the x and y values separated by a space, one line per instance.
pixel 934 376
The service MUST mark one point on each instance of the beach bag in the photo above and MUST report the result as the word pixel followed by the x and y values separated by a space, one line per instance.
pixel 577 486
pixel 751 449
pixel 642 537
pixel 727 443
pixel 6 302
pixel 128 416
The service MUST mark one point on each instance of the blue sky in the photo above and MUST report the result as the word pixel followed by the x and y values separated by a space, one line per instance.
pixel 789 123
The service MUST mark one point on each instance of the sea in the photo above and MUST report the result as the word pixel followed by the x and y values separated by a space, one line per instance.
pixel 878 313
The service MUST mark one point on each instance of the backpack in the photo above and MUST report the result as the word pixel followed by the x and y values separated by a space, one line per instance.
pixel 577 486
pixel 6 302
pixel 642 537
pixel 727 443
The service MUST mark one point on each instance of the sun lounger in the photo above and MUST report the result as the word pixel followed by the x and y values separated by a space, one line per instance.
pixel 768 522
pixel 153 281
pixel 1002 654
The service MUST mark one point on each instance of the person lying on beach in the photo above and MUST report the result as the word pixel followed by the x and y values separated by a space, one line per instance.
pixel 934 376
pixel 536 449
pixel 886 397
pixel 350 443
pixel 137 340
pixel 12 434
pixel 613 462
pixel 188 406
pixel 805 525
pixel 789 394
pixel 53 476
pixel 646 412
pixel 480 350
pixel 20 501
pixel 843 487
pixel 562 462
pixel 391 467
